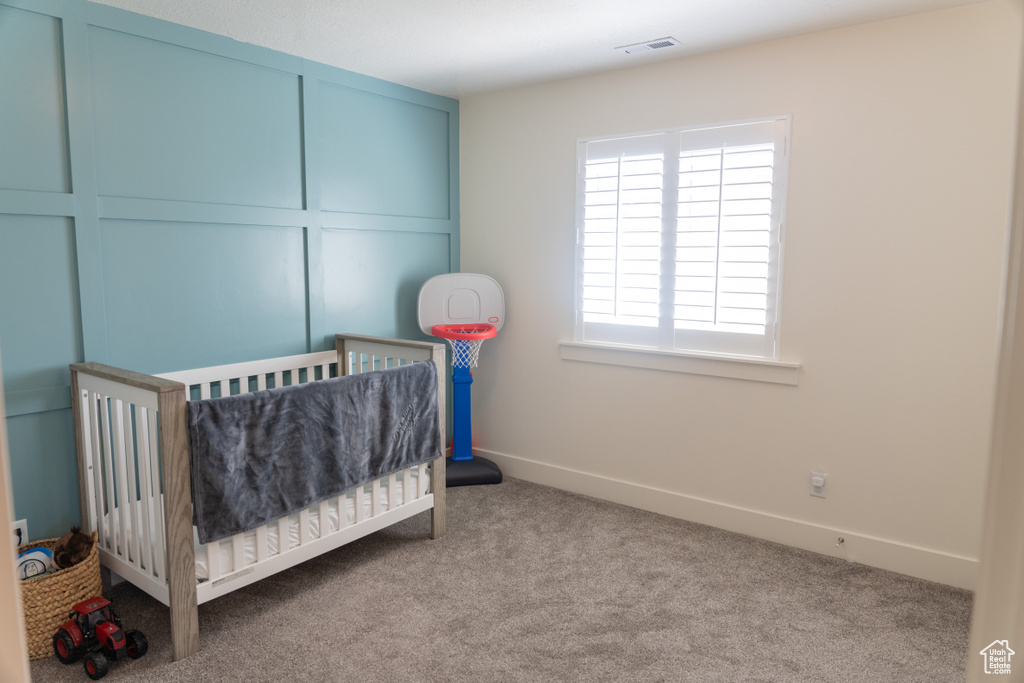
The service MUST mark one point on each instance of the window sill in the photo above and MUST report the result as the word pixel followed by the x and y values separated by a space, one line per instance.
pixel 735 367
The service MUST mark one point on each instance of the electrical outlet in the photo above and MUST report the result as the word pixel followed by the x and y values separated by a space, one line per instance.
pixel 819 480
pixel 20 529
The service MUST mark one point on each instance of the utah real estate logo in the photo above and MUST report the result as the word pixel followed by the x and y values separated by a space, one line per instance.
pixel 997 657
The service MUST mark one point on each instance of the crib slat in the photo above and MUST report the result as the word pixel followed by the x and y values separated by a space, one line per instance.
pixel 213 569
pixel 408 495
pixel 284 537
pixel 238 552
pixel 360 503
pixel 304 533
pixel 278 379
pixel 159 542
pixel 97 469
pixel 128 440
pixel 262 546
pixel 157 568
pixel 146 492
pixel 343 511
pixel 108 468
pixel 375 508
pixel 83 415
pixel 261 382
pixel 421 480
pixel 120 478
pixel 204 390
pixel 392 492
pixel 325 519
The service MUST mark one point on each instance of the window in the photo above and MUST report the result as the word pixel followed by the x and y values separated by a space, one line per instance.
pixel 679 238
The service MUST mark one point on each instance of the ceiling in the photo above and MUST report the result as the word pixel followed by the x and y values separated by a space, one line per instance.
pixel 464 47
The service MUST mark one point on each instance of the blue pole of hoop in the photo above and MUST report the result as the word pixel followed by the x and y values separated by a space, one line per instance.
pixel 462 421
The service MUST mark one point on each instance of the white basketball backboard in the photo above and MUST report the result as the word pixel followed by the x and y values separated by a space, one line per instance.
pixel 456 298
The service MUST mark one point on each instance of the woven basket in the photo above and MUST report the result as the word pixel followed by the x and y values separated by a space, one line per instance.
pixel 49 598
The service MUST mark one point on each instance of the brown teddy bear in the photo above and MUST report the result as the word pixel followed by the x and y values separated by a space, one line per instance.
pixel 71 548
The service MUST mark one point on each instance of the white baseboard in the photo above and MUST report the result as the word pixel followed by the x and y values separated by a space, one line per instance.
pixel 923 563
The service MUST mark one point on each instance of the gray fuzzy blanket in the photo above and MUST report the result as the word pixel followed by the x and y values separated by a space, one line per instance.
pixel 260 456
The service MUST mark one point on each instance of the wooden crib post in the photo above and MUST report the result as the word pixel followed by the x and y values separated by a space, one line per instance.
pixel 437 468
pixel 181 561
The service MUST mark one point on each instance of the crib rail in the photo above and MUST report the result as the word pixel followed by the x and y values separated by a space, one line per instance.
pixel 241 378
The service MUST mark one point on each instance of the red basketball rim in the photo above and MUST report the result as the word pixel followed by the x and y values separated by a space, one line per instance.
pixel 465 332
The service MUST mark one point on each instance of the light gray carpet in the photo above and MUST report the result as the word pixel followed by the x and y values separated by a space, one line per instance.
pixel 535 584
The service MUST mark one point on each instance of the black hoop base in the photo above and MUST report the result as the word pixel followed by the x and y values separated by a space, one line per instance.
pixel 473 472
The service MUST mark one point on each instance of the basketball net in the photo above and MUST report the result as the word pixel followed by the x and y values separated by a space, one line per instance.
pixel 465 352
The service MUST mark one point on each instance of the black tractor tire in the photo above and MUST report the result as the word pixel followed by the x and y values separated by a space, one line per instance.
pixel 96 665
pixel 137 644
pixel 64 647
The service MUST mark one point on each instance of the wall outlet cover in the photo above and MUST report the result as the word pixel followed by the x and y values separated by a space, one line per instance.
pixel 20 530
pixel 819 482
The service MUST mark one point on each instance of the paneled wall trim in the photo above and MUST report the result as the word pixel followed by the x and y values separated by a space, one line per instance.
pixel 171 198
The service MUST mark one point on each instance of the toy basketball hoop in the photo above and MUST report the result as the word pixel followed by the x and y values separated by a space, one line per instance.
pixel 465 340
pixel 465 309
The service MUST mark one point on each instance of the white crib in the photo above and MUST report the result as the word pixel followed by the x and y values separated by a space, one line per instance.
pixel 134 477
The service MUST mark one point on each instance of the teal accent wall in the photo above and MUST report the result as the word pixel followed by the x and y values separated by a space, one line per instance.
pixel 171 198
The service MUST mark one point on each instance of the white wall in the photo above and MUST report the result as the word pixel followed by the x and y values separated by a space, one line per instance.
pixel 898 202
pixel 999 597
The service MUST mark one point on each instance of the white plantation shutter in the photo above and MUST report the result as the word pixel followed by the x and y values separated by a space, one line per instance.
pixel 622 239
pixel 679 238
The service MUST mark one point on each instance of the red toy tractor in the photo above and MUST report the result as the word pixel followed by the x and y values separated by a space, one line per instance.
pixel 94 630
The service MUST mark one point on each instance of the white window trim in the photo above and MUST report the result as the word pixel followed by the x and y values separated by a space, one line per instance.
pixel 772 337
pixel 689 362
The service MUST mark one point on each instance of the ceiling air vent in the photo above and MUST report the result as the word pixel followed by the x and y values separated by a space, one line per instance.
pixel 649 45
